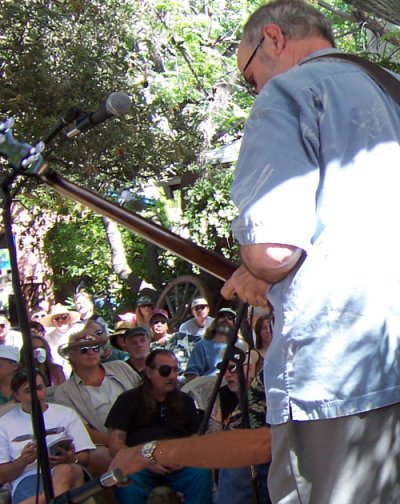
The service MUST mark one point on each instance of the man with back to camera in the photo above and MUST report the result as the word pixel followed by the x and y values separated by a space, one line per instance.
pixel 317 190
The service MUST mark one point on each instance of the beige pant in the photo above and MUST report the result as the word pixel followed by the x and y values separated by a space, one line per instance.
pixel 347 460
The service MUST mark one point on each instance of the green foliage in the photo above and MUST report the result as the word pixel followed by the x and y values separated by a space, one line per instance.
pixel 210 211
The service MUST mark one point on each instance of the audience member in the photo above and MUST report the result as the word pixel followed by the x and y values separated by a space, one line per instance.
pixel 84 304
pixel 201 320
pixel 143 311
pixel 137 344
pixel 64 322
pixel 157 410
pixel 93 386
pixel 263 330
pixel 209 351
pixel 52 373
pixel 235 485
pixel 9 360
pixel 37 329
pixel 181 344
pixel 37 314
pixel 159 327
pixel 18 459
pixel 9 336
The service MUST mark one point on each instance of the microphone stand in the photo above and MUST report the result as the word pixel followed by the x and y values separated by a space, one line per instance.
pixel 36 415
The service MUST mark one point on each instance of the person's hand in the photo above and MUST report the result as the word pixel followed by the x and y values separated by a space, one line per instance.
pixel 247 287
pixel 28 454
pixel 64 456
pixel 162 469
pixel 129 460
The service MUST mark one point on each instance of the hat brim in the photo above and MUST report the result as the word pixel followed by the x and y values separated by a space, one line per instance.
pixel 47 321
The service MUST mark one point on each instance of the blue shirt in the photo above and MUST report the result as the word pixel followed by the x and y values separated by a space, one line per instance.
pixel 204 358
pixel 319 169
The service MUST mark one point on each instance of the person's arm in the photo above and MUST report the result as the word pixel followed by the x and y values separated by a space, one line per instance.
pixel 98 438
pixel 11 470
pixel 226 449
pixel 116 441
pixel 263 265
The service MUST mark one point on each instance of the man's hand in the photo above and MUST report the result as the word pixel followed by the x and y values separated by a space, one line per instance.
pixel 28 454
pixel 162 469
pixel 129 460
pixel 250 289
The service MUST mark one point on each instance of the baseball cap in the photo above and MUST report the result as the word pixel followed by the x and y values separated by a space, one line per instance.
pixel 9 352
pixel 199 301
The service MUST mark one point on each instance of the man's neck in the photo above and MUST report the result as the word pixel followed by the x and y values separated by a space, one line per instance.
pixel 93 376
pixel 138 364
pixel 201 322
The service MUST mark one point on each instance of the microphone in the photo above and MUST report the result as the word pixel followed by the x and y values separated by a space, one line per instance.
pixel 115 104
pixel 77 495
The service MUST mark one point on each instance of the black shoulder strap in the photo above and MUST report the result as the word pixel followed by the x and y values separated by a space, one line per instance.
pixel 379 74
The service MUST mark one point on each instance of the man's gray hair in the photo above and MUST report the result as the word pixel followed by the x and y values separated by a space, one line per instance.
pixel 296 18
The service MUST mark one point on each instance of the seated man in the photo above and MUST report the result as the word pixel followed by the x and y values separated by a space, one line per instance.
pixel 18 457
pixel 137 344
pixel 201 319
pixel 157 410
pixel 93 386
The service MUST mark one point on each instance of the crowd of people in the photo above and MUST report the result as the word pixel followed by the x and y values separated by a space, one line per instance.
pixel 124 385
pixel 319 148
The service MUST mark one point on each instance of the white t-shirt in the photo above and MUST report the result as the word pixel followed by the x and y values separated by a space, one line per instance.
pixel 17 422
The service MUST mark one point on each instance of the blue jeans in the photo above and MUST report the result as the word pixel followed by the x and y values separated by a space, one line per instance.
pixel 195 484
pixel 235 486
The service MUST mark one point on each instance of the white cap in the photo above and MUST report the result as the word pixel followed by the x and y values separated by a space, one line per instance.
pixel 9 352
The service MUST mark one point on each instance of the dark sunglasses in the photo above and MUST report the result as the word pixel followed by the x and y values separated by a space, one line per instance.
pixel 200 307
pixel 85 349
pixel 165 370
pixel 158 321
pixel 232 368
pixel 253 54
pixel 228 316
pixel 60 317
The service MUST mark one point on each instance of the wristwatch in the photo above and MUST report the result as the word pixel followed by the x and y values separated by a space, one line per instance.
pixel 147 452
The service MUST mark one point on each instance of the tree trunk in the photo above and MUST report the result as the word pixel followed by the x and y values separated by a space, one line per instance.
pixel 119 262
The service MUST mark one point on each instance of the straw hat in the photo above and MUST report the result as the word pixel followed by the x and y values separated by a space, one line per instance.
pixel 59 309
pixel 119 330
pixel 91 334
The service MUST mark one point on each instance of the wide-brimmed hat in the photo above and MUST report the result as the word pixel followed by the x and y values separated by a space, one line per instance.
pixel 9 352
pixel 119 330
pixel 91 334
pixel 59 309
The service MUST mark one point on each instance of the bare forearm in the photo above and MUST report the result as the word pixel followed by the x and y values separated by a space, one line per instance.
pixel 237 448
pixel 270 262
pixel 99 438
pixel 11 470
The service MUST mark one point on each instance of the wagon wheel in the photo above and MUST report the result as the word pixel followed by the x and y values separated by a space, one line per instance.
pixel 177 296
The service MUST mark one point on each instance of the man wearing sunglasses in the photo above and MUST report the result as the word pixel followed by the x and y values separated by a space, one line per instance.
pixel 157 410
pixel 201 320
pixel 92 388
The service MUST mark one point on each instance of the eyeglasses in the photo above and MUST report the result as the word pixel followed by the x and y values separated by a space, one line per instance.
pixel 58 318
pixel 165 370
pixel 85 349
pixel 232 368
pixel 253 54
pixel 228 316
pixel 158 321
pixel 200 307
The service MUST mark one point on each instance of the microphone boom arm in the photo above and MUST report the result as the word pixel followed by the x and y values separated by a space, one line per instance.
pixel 205 259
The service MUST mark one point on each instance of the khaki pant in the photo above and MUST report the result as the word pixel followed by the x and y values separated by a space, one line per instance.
pixel 347 460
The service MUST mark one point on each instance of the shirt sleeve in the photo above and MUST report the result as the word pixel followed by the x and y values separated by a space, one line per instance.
pixel 196 363
pixel 277 174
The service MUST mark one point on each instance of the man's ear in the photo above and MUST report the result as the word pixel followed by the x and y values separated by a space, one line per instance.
pixel 273 32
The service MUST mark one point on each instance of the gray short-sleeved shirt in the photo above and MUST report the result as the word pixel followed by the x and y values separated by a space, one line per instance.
pixel 319 169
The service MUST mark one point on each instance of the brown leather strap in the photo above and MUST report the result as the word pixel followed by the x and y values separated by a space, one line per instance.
pixel 379 74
